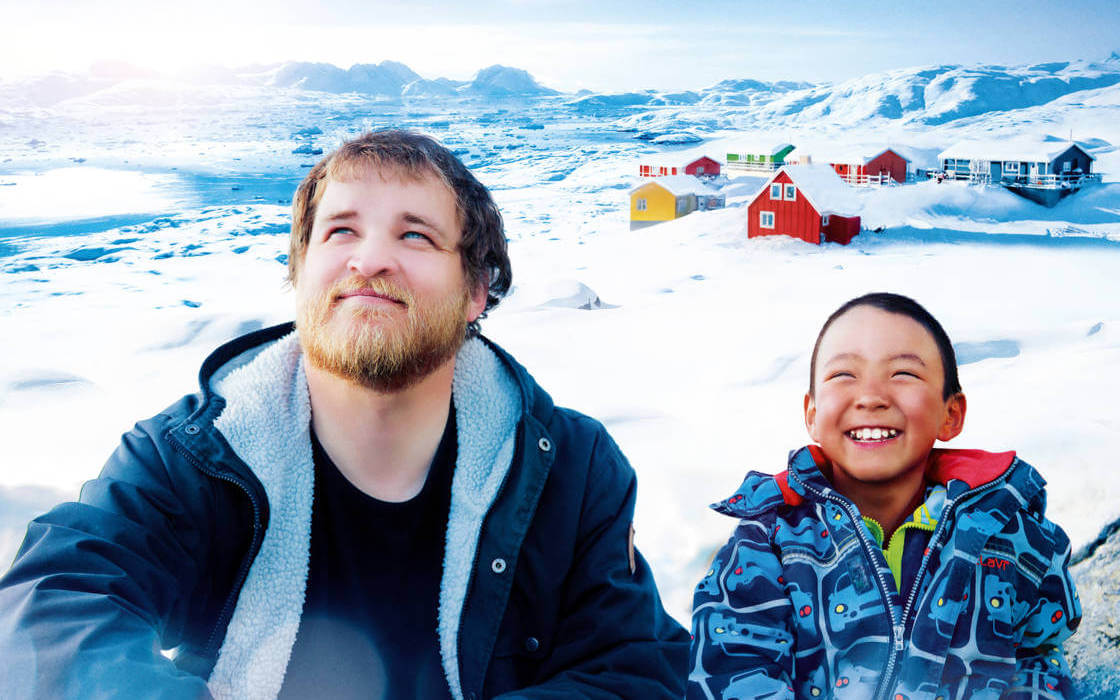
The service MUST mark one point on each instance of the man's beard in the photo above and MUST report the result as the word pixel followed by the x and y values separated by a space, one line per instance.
pixel 373 346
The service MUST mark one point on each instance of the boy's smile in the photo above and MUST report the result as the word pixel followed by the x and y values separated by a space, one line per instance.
pixel 878 404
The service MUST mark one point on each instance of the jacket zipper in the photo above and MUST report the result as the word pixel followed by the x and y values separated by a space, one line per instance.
pixel 934 543
pixel 897 628
pixel 254 546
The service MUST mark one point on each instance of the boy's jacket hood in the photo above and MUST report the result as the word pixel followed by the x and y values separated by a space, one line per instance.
pixel 958 470
pixel 260 384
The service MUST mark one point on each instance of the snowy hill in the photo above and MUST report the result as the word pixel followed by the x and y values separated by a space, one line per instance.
pixel 502 81
pixel 386 78
pixel 440 87
pixel 921 96
pixel 941 94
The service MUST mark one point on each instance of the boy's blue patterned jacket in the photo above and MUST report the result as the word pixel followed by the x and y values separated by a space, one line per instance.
pixel 801 602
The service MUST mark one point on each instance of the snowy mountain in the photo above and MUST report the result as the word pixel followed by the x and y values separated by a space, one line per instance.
pixel 908 99
pixel 440 87
pixel 502 81
pixel 940 94
pixel 921 96
pixel 386 78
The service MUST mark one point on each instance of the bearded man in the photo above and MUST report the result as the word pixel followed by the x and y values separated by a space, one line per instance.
pixel 379 503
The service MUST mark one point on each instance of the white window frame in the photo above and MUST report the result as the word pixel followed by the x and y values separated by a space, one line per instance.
pixel 779 186
pixel 640 205
pixel 762 218
pixel 1067 165
pixel 1011 166
pixel 790 192
pixel 699 169
pixel 824 220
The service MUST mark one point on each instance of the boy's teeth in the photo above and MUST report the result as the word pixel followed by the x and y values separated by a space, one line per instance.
pixel 872 433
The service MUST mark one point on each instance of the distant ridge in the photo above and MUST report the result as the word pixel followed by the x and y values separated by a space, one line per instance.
pixel 919 96
pixel 939 94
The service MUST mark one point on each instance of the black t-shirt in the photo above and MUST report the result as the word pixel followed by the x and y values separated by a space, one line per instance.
pixel 369 624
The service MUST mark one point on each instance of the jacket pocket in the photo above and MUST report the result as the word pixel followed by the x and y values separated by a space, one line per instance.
pixel 522 649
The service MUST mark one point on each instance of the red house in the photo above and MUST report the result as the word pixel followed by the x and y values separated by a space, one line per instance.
pixel 872 170
pixel 700 167
pixel 809 202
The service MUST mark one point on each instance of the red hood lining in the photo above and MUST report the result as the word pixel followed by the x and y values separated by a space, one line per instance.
pixel 973 467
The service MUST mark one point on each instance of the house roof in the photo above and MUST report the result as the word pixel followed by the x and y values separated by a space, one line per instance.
pixel 1027 150
pixel 677 185
pixel 820 184
pixel 673 161
pixel 847 154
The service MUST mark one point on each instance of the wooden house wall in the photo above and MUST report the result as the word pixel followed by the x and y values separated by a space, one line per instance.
pixel 1077 157
pixel 841 229
pixel 661 205
pixel 795 218
pixel 888 163
pixel 710 166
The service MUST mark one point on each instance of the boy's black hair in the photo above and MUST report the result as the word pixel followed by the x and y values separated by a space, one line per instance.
pixel 897 304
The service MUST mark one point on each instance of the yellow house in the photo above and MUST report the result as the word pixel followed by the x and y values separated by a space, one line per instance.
pixel 664 198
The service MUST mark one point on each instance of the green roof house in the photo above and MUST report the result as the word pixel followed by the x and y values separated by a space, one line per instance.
pixel 755 158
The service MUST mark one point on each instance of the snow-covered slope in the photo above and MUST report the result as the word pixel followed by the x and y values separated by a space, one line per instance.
pixel 502 81
pixel 941 94
pixel 908 98
pixel 386 78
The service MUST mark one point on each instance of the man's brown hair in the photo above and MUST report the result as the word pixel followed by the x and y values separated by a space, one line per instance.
pixel 483 244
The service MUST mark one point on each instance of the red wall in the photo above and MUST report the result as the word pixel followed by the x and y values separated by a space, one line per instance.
pixel 797 218
pixel 841 229
pixel 711 167
pixel 887 163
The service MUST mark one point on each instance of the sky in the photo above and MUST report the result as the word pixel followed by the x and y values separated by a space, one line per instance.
pixel 565 44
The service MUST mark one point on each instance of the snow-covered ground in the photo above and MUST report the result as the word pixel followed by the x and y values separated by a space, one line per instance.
pixel 142 223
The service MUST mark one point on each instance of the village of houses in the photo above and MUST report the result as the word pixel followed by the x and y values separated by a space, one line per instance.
pixel 809 195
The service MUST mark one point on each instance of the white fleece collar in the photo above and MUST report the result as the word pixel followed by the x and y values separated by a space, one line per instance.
pixel 267 423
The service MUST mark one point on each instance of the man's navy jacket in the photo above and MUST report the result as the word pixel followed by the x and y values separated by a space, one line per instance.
pixel 195 539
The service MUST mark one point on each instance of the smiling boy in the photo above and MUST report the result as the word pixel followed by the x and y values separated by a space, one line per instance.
pixel 877 566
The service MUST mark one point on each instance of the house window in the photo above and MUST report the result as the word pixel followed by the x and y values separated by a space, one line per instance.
pixel 1066 166
pixel 699 169
pixel 641 205
pixel 1011 167
pixel 824 220
pixel 791 192
pixel 732 157
pixel 645 170
pixel 766 219
pixel 776 191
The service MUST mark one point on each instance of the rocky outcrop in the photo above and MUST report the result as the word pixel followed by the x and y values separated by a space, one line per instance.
pixel 1094 651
